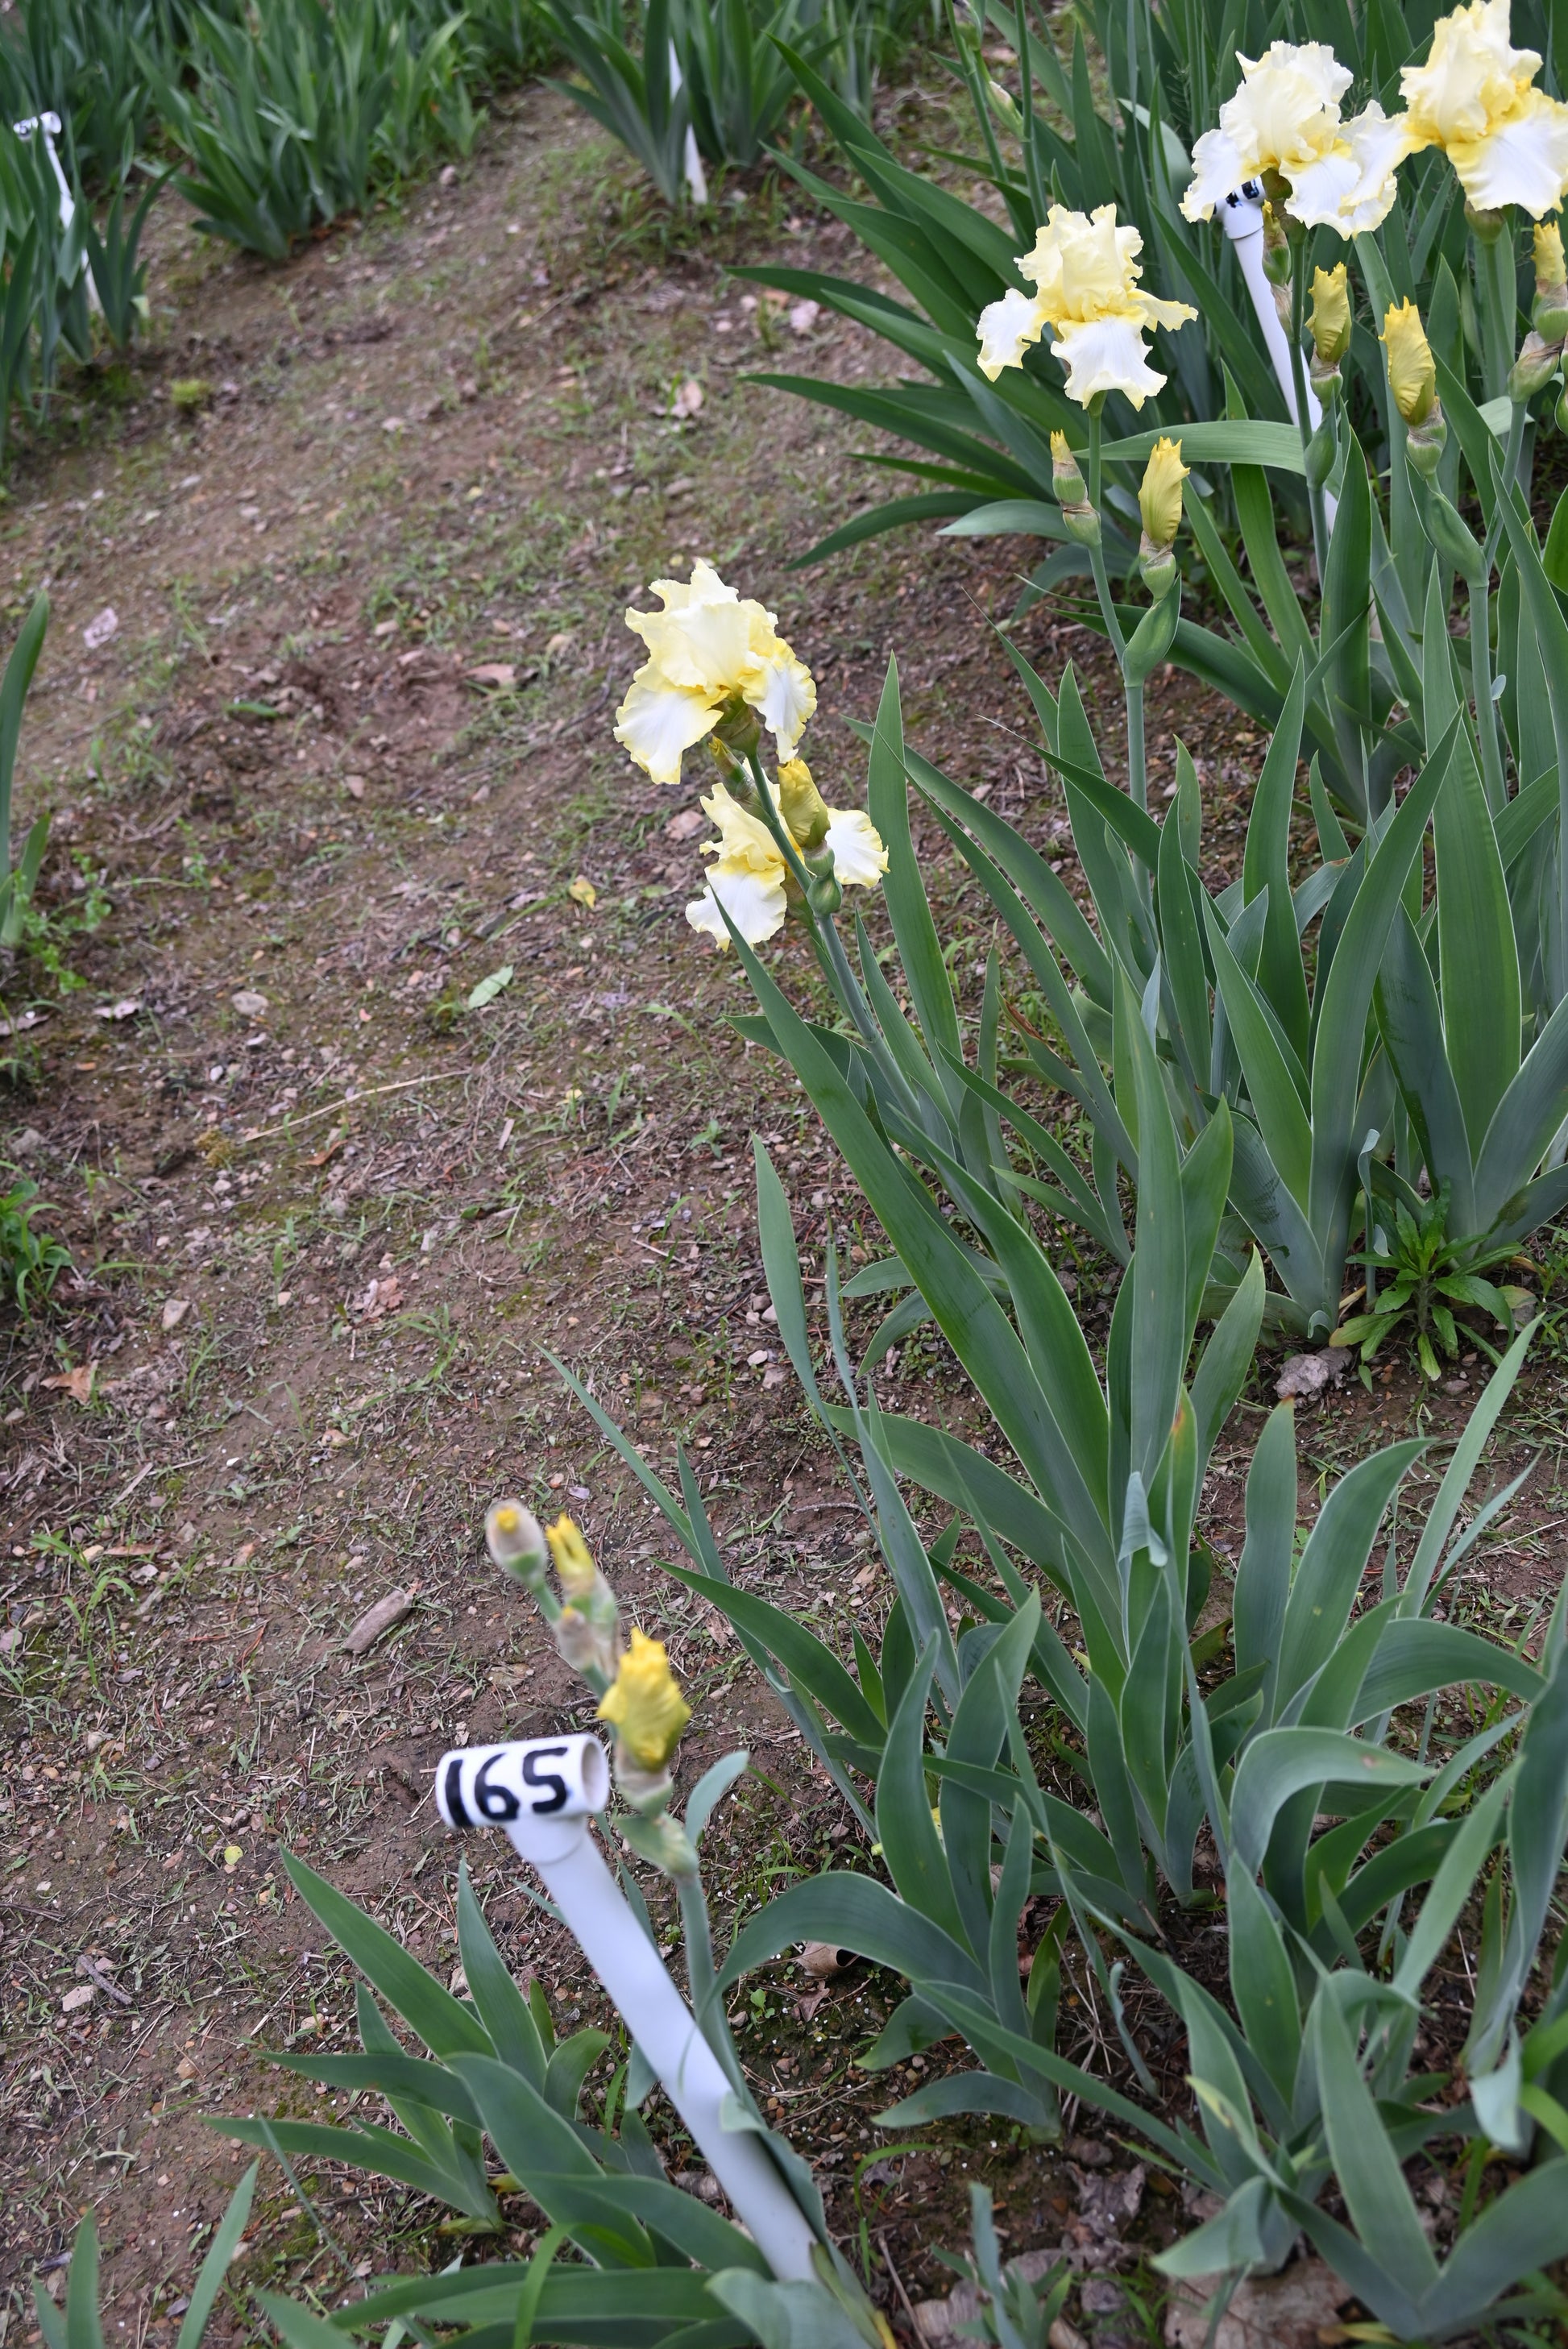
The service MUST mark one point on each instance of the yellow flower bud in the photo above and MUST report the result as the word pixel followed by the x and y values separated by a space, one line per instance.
pixel 1412 372
pixel 1331 313
pixel 645 1707
pixel 1160 496
pixel 573 1559
pixel 803 805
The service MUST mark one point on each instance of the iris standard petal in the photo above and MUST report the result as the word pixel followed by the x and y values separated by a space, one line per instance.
pixel 783 692
pixel 1473 79
pixel 703 646
pixel 1286 110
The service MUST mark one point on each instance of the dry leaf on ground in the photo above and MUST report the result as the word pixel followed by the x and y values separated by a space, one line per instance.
pixel 823 1959
pixel 1295 2310
pixel 381 1297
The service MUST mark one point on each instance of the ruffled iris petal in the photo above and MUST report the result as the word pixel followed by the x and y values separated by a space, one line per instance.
pixel 1353 187
pixel 783 692
pixel 860 859
pixel 1524 161
pixel 1005 329
pixel 657 722
pixel 754 901
pixel 1107 355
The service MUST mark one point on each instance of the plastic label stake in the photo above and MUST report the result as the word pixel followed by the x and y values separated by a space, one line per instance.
pixel 543 1791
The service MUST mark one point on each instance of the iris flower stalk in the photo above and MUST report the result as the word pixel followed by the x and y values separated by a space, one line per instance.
pixel 639 1696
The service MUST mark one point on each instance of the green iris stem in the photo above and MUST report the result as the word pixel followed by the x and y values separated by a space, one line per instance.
pixel 1315 496
pixel 1136 763
pixel 1096 549
pixel 1494 277
pixel 975 75
pixel 825 937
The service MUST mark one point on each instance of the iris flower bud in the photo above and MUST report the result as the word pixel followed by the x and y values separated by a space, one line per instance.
pixel 1329 329
pixel 1550 316
pixel 646 1706
pixel 1452 540
pixel 1078 516
pixel 573 1558
pixel 1160 503
pixel 801 804
pixel 1412 371
pixel 1005 107
pixel 1330 314
pixel 1276 247
pixel 1536 367
pixel 517 1543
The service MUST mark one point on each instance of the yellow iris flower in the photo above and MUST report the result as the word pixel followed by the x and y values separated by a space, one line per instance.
pixel 1284 120
pixel 1085 271
pixel 708 650
pixel 747 875
pixel 1474 98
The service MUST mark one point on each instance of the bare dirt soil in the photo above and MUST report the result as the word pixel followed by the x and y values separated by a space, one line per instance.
pixel 345 754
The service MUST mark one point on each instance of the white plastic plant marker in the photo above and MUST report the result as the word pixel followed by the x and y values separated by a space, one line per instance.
pixel 543 1791
pixel 695 177
pixel 1241 218
pixel 49 124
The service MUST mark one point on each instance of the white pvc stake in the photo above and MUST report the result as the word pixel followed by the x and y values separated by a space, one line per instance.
pixel 49 124
pixel 543 1792
pixel 696 178
pixel 1242 217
